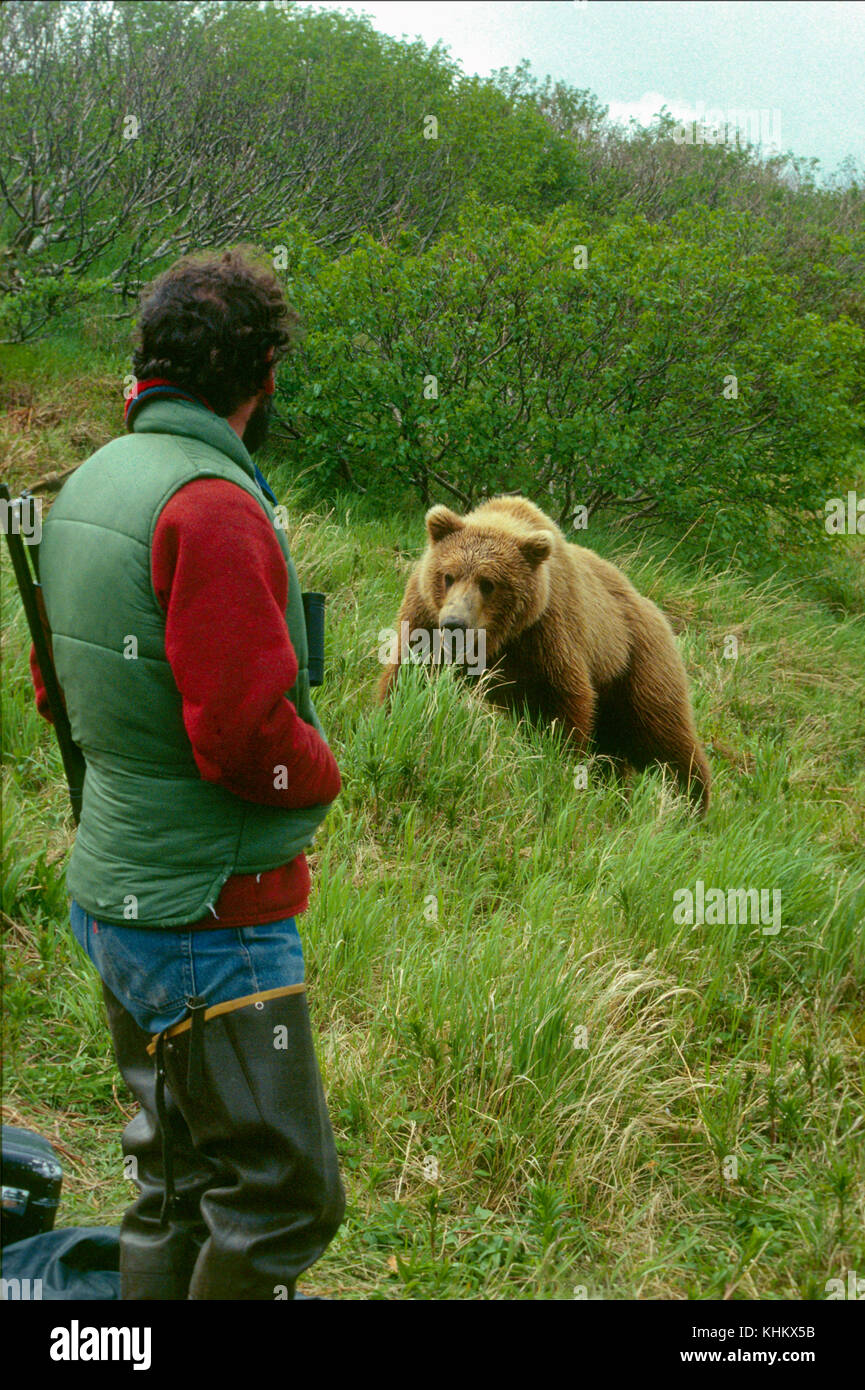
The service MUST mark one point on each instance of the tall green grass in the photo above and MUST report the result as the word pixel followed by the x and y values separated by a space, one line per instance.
pixel 540 1083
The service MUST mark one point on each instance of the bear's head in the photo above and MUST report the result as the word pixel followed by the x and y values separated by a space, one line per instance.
pixel 485 576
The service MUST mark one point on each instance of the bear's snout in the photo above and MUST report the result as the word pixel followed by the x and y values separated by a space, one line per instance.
pixel 462 610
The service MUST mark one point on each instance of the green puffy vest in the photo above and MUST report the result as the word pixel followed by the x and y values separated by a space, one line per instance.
pixel 156 842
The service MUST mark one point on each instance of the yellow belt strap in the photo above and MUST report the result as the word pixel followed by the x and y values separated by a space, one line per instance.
pixel 226 1008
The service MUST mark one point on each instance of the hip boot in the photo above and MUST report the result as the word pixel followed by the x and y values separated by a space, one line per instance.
pixel 245 1077
pixel 159 1245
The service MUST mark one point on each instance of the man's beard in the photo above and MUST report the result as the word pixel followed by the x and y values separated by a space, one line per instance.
pixel 258 425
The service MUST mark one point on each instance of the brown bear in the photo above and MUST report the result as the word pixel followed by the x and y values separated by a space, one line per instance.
pixel 567 635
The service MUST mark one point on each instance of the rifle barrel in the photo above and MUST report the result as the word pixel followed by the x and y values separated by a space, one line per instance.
pixel 33 600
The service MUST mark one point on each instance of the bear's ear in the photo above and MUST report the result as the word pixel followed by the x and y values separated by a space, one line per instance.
pixel 537 547
pixel 441 522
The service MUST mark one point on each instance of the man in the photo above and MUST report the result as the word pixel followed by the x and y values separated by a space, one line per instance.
pixel 180 646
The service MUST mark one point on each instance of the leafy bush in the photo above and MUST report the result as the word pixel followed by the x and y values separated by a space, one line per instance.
pixel 670 375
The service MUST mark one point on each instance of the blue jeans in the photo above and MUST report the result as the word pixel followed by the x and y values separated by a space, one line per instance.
pixel 152 971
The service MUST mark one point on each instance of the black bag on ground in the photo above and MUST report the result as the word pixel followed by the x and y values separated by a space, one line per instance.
pixel 31 1179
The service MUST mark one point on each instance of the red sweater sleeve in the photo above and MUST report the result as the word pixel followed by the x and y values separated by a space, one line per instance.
pixel 220 575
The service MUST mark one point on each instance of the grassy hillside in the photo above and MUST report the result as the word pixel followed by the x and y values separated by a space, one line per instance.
pixel 540 1083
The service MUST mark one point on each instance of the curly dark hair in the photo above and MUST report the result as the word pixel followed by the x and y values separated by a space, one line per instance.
pixel 207 324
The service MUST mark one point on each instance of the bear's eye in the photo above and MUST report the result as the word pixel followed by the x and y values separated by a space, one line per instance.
pixel 449 579
pixel 486 586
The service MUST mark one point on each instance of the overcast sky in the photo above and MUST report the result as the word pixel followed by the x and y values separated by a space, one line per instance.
pixel 801 62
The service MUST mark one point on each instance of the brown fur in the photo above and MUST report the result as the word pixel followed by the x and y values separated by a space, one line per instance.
pixel 567 634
